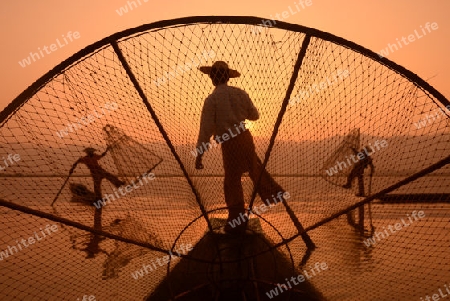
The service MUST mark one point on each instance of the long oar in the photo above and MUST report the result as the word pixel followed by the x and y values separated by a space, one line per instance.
pixel 62 187
pixel 309 243
pixel 372 228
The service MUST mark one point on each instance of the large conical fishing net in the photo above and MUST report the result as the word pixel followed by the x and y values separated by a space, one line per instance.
pixel 338 165
pixel 136 97
pixel 132 159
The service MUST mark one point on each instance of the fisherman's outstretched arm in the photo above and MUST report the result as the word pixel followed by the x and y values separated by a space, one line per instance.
pixel 74 165
pixel 106 150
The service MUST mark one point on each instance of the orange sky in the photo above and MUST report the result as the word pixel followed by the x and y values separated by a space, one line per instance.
pixel 27 25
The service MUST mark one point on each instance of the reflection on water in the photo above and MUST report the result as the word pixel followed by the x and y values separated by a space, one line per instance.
pixel 407 265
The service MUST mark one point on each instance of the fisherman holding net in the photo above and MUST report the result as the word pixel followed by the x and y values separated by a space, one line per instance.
pixel 358 169
pixel 98 174
pixel 358 172
pixel 223 116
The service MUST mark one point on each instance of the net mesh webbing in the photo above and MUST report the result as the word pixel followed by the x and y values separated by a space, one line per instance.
pixel 338 174
pixel 339 88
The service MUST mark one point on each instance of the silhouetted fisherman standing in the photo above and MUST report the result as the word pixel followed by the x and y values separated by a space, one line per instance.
pixel 223 116
pixel 98 174
pixel 358 172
